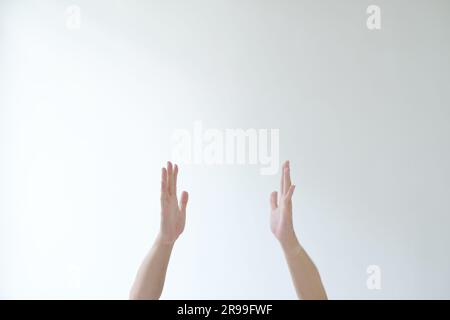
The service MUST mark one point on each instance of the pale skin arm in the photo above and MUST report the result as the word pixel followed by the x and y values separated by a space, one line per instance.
pixel 305 276
pixel 150 278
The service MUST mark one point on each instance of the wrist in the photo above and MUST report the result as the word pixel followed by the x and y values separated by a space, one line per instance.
pixel 162 241
pixel 291 246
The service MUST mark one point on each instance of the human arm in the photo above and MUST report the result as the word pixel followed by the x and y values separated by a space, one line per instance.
pixel 305 276
pixel 150 278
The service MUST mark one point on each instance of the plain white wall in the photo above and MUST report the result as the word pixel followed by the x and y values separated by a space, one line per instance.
pixel 87 117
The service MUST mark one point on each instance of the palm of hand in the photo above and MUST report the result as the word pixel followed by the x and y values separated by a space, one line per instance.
pixel 172 225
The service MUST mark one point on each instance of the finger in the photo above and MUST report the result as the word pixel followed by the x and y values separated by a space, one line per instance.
pixel 175 176
pixel 163 183
pixel 183 202
pixel 282 179
pixel 290 193
pixel 170 177
pixel 273 200
pixel 287 177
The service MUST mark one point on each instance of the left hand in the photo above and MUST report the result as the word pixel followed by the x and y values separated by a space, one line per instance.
pixel 173 214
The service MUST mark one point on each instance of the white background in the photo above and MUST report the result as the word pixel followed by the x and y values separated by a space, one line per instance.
pixel 87 116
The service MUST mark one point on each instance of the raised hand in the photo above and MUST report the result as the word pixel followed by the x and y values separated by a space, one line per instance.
pixel 281 213
pixel 173 213
pixel 150 278
pixel 305 276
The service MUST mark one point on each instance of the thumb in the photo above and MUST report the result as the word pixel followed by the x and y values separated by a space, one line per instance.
pixel 183 202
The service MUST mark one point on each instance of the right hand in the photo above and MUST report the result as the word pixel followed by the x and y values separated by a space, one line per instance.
pixel 281 213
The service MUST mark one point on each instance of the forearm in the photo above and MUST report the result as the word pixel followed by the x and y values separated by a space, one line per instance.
pixel 305 276
pixel 150 279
